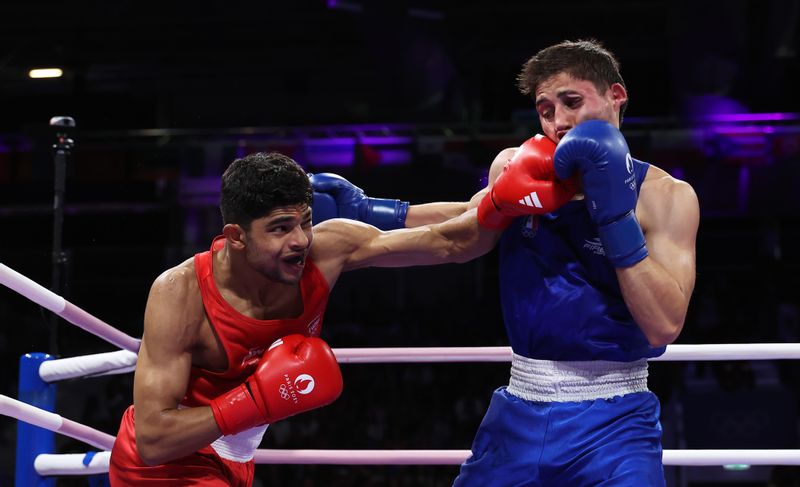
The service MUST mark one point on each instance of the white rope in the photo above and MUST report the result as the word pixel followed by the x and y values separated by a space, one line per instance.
pixel 118 362
pixel 362 457
pixel 31 290
pixel 706 458
pixel 63 308
pixel 456 457
pixel 53 422
pixel 71 463
pixel 422 354
pixel 124 361
pixel 30 414
pixel 731 351
pixel 735 351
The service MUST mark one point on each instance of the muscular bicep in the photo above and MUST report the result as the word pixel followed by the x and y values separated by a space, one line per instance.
pixel 671 234
pixel 165 359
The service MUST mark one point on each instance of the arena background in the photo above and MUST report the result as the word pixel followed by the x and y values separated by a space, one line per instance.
pixel 408 100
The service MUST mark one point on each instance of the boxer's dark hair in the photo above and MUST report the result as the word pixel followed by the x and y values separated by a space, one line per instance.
pixel 255 185
pixel 585 59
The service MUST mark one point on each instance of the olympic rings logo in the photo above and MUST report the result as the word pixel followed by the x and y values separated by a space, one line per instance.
pixel 302 384
pixel 284 392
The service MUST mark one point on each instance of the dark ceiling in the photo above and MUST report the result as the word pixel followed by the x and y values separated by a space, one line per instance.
pixel 140 64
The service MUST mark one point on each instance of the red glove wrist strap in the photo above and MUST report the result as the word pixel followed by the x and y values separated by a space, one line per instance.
pixel 236 411
pixel 489 216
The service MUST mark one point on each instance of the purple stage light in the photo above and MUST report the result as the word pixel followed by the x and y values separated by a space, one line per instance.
pixel 751 117
pixel 341 151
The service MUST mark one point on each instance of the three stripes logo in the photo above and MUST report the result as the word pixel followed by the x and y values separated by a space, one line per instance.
pixel 531 200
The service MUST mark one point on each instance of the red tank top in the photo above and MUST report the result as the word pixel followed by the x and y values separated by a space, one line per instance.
pixel 243 338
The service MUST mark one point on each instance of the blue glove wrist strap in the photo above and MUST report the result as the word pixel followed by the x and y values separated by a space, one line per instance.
pixel 623 241
pixel 386 214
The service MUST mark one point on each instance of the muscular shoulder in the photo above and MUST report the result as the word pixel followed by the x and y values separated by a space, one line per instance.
pixel 178 281
pixel 664 198
pixel 335 235
pixel 175 306
pixel 335 241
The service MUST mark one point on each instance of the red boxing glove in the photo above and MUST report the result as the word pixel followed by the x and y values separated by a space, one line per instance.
pixel 296 374
pixel 527 186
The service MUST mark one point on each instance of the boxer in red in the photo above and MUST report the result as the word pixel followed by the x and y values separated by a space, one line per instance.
pixel 230 339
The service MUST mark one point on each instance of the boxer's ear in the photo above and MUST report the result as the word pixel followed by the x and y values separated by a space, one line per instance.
pixel 235 235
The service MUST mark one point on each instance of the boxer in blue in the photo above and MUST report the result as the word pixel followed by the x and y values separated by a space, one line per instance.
pixel 589 291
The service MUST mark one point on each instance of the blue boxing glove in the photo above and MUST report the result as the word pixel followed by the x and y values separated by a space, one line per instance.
pixel 336 197
pixel 599 152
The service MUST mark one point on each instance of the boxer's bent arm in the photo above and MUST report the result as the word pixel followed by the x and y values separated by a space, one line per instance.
pixel 171 321
pixel 657 289
pixel 431 213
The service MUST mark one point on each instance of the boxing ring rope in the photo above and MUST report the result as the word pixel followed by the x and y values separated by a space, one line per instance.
pixel 53 422
pixel 123 361
pixel 84 366
pixel 63 308
pixel 696 458
pixel 74 463
pixel 674 353
pixel 91 463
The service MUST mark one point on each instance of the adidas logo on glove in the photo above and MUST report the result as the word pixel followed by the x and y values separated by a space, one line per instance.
pixel 531 200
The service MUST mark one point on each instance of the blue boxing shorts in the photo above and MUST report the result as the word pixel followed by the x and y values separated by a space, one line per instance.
pixel 613 441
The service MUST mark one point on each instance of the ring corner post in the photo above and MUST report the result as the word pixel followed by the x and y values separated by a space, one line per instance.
pixel 33 440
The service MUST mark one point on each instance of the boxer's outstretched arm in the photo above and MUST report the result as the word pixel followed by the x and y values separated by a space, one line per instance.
pixel 172 317
pixel 342 245
pixel 346 245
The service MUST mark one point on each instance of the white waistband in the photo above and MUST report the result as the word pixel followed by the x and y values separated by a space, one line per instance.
pixel 551 381
pixel 240 447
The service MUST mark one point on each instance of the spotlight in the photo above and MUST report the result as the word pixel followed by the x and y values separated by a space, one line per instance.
pixel 45 73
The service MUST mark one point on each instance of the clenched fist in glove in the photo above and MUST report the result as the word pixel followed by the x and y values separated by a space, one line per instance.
pixel 527 186
pixel 336 197
pixel 296 374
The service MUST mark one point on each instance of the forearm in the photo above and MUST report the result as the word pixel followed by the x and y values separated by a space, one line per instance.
pixel 457 240
pixel 466 238
pixel 430 213
pixel 655 299
pixel 162 436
